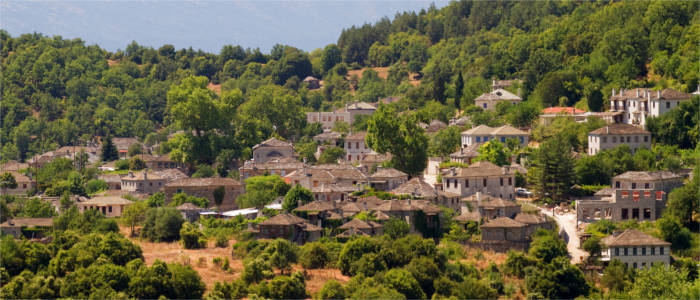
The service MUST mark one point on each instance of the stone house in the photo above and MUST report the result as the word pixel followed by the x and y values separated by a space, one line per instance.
pixel 13 165
pixel 156 162
pixel 482 134
pixel 417 188
pixel 205 187
pixel 502 234
pixel 613 135
pixel 642 205
pixel 15 227
pixel 488 101
pixel 288 226
pixel 24 184
pixel 355 147
pixel 534 222
pixel 386 179
pixel 645 180
pixel 346 114
pixel 357 226
pixel 189 211
pixel 330 138
pixel 406 210
pixel 113 181
pixel 635 249
pixel 319 211
pixel 490 207
pixel 484 177
pixel 640 103
pixel 110 206
pixel 142 182
pixel 372 160
pixel 272 149
pixel 280 166
pixel 465 155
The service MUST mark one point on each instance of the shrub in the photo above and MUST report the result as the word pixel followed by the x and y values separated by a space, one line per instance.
pixel 95 185
pixel 257 269
pixel 396 228
pixel 236 289
pixel 192 237
pixel 122 164
pixel 314 256
pixel 516 263
pixel 162 224
pixel 221 240
pixel 331 290
pixel 136 163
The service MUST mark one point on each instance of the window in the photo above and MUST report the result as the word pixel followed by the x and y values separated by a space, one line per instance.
pixel 510 180
pixel 644 250
pixel 484 105
pixel 625 254
pixel 503 139
pixel 501 180
pixel 614 139
pixel 110 208
pixel 646 185
pixel 647 213
pixel 629 139
pixel 634 185
pixel 478 139
pixel 653 104
pixel 635 213
pixel 668 104
pixel 617 184
pixel 357 145
pixel 636 139
pixel 605 139
pixel 624 214
pixel 646 138
pixel 522 140
pixel 617 251
pixel 484 181
pixel 466 183
pixel 24 185
pixel 150 184
pixel 349 145
pixel 653 250
pixel 448 183
pixel 349 157
pixel 661 250
pixel 634 251
pixel 634 265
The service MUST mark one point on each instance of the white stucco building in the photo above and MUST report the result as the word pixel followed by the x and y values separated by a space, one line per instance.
pixel 636 249
pixel 640 103
pixel 613 135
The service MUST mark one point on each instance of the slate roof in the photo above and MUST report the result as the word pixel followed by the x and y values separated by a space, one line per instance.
pixel 13 165
pixel 273 142
pixel 357 224
pixel 498 94
pixel 468 216
pixel 19 177
pixel 470 151
pixel 530 218
pixel 479 169
pixel 107 200
pixel 140 176
pixel 310 78
pixel 374 157
pixel 188 206
pixel 350 233
pixel 649 175
pixel 493 202
pixel 26 222
pixel 170 174
pixel 503 222
pixel 641 94
pixel 114 178
pixel 481 129
pixel 274 164
pixel 358 136
pixel 388 173
pixel 284 219
pixel 618 129
pixel 417 185
pixel 203 182
pixel 317 206
pixel 633 237
pixel 508 130
pixel 361 105
pixel 331 135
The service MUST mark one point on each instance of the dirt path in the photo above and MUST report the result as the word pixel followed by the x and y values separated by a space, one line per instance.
pixel 567 228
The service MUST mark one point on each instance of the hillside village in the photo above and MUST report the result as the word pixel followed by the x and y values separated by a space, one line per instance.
pixel 419 183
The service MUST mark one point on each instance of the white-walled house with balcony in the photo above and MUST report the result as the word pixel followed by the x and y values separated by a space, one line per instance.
pixel 640 103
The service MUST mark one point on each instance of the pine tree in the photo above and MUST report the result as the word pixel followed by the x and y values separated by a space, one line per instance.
pixel 552 173
pixel 459 88
pixel 109 151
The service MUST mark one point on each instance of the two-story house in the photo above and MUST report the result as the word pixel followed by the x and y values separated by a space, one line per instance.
pixel 355 147
pixel 488 101
pixel 482 176
pixel 346 114
pixel 613 135
pixel 482 134
pixel 272 149
pixel 635 249
pixel 640 103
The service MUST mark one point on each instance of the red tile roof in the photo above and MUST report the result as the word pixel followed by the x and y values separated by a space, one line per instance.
pixel 562 110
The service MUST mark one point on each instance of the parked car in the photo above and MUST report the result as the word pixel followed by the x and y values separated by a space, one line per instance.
pixel 523 192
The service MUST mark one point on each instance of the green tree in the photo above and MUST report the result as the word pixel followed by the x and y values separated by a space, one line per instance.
pixel 134 149
pixel 192 237
pixel 261 190
pixel 684 202
pixel 256 269
pixel 445 142
pixel 400 136
pixel 550 173
pixel 396 228
pixel 402 281
pixel 203 171
pixel 547 246
pixel 331 155
pixel 282 254
pixel 314 255
pixel 516 262
pixel 219 193
pixel 109 151
pixel 646 284
pixel 7 181
pixel 296 195
pixel 136 164
pixel 330 57
pixel 616 277
pixel 162 224
pixel 592 246
pixel 494 152
pixel 134 214
pixel 673 232
pixel 332 290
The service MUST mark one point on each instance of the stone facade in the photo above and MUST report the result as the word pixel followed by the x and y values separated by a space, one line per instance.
pixel 205 187
pixel 24 184
pixel 482 134
pixel 272 149
pixel 155 162
pixel 635 249
pixel 282 167
pixel 640 103
pixel 642 205
pixel 613 135
pixel 110 206
pixel 488 101
pixel 355 147
pixel 386 179
pixel 346 114
pixel 142 182
pixel 483 177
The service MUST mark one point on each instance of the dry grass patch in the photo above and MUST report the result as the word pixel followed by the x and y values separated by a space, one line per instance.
pixel 215 87
pixel 481 258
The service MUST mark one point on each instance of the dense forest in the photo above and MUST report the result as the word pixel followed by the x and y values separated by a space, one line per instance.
pixel 62 92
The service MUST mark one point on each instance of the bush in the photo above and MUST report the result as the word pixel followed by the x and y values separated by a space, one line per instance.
pixel 162 224
pixel 203 171
pixel 221 240
pixel 314 256
pixel 136 163
pixel 255 270
pixel 122 164
pixel 516 263
pixel 95 185
pixel 331 290
pixel 236 289
pixel 192 237
pixel 396 228
pixel 402 281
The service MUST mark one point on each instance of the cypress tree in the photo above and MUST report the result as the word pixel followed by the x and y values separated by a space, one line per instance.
pixel 109 151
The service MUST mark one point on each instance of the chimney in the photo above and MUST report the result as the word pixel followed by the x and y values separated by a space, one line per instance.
pixel 658 94
pixel 478 198
pixel 613 92
pixel 607 129
pixel 461 150
pixel 145 174
pixel 453 171
pixel 131 173
pixel 637 90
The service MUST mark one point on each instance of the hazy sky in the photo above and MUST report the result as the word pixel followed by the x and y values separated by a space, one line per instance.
pixel 206 25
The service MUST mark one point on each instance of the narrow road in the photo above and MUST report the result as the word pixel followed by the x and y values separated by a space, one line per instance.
pixel 567 228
